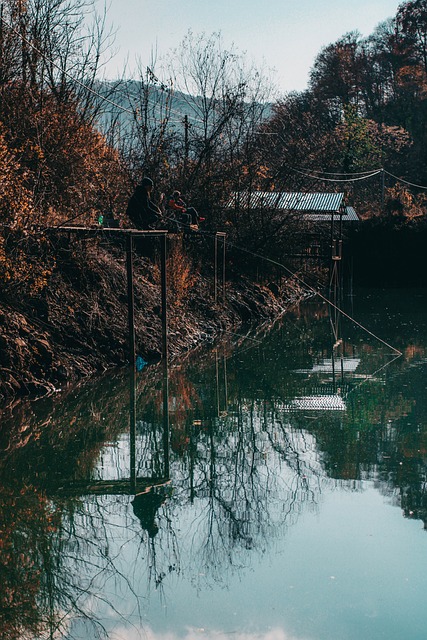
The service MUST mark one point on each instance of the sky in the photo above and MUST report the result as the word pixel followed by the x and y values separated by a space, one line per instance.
pixel 285 35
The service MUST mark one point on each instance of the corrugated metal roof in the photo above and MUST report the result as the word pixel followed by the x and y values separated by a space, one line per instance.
pixel 326 202
pixel 317 403
pixel 284 201
pixel 319 217
pixel 350 214
pixel 255 199
pixel 326 365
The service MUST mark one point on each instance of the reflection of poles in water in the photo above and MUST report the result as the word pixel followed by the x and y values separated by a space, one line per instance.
pixel 336 294
pixel 161 475
pixel 166 426
pixel 223 411
pixel 337 346
pixel 48 566
pixel 146 503
pixel 192 451
pixel 132 428
pixel 134 481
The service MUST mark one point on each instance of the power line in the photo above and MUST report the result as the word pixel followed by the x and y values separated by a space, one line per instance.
pixel 321 179
pixel 411 184
pixel 317 293
pixel 361 175
pixel 309 287
pixel 346 173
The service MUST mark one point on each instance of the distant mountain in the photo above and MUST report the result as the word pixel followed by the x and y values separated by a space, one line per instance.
pixel 152 103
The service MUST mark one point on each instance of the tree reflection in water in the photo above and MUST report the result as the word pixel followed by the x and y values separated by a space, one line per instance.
pixel 90 524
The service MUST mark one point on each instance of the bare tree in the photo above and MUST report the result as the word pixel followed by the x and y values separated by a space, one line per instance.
pixel 224 101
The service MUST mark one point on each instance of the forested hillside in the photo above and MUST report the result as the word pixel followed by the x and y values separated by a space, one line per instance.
pixel 365 108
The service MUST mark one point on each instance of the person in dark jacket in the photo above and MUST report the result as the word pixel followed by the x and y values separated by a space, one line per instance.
pixel 141 210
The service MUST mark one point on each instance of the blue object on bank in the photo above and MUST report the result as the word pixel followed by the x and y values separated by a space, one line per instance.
pixel 140 363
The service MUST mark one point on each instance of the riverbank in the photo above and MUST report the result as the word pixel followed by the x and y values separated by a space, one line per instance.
pixel 77 325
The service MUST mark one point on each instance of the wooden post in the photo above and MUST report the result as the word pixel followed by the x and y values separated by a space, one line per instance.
pixel 131 299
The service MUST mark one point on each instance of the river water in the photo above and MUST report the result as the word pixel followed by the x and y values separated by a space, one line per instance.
pixel 274 487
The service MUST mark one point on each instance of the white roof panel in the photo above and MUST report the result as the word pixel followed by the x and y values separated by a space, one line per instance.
pixel 284 201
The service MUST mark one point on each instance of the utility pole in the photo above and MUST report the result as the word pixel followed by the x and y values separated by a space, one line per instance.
pixel 186 145
pixel 382 189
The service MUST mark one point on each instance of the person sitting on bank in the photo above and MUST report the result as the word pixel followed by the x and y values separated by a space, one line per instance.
pixel 188 215
pixel 141 210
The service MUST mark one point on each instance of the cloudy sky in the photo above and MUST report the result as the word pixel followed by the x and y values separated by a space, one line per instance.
pixel 285 34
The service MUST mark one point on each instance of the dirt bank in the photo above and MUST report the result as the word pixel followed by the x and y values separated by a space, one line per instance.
pixel 78 324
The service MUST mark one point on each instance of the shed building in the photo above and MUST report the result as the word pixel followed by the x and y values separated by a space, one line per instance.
pixel 320 206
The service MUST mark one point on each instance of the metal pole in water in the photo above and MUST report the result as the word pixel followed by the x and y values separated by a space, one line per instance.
pixel 163 241
pixel 131 321
pixel 163 258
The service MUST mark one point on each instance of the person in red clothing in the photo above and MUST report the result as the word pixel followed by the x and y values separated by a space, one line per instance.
pixel 187 215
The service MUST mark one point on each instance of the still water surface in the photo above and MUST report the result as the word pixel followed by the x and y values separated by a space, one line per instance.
pixel 282 495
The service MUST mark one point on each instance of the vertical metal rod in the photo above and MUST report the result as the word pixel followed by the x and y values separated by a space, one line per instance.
pixel 131 299
pixel 217 382
pixel 166 439
pixel 225 382
pixel 131 321
pixel 332 264
pixel 223 268
pixel 219 234
pixel 163 241
pixel 216 268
